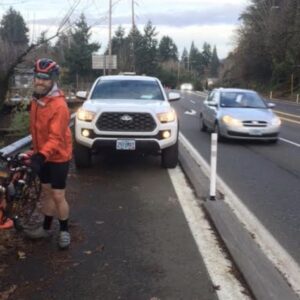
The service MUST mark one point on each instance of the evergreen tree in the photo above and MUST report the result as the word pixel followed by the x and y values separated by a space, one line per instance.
pixel 196 65
pixel 62 46
pixel 13 28
pixel 13 47
pixel 167 50
pixel 206 54
pixel 185 58
pixel 135 46
pixel 193 54
pixel 214 64
pixel 79 55
pixel 121 48
pixel 146 51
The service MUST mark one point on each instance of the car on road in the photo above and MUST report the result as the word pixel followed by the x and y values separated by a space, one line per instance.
pixel 186 87
pixel 126 113
pixel 239 114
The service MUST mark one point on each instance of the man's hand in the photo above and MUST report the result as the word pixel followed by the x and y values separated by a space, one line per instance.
pixel 26 157
pixel 37 161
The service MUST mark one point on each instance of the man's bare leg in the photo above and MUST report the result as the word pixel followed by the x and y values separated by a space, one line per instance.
pixel 62 207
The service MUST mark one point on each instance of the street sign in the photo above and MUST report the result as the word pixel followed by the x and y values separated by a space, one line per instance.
pixel 103 62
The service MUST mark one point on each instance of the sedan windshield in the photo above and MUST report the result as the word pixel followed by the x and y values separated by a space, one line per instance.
pixel 127 89
pixel 241 100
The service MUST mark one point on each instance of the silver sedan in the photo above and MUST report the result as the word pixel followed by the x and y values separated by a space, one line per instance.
pixel 239 114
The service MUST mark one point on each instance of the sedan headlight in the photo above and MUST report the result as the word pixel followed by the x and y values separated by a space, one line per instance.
pixel 167 117
pixel 230 121
pixel 85 115
pixel 276 121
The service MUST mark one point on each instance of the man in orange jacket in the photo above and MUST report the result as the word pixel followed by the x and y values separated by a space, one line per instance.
pixel 52 148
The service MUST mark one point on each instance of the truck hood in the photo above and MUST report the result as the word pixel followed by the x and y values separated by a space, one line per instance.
pixel 154 106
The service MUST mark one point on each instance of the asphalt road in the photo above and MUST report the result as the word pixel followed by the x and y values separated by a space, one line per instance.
pixel 265 177
pixel 130 241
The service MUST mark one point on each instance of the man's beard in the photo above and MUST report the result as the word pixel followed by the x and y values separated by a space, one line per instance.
pixel 42 90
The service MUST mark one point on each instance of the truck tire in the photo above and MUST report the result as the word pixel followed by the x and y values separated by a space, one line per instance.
pixel 169 157
pixel 82 156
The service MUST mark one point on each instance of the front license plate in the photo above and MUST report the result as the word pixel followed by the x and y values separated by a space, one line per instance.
pixel 256 132
pixel 125 145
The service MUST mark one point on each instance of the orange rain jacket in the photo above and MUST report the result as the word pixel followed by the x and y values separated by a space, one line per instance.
pixel 49 127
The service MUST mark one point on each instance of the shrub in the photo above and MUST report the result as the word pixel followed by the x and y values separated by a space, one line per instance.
pixel 20 120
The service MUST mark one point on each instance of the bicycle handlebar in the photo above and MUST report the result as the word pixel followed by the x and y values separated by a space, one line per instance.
pixel 15 162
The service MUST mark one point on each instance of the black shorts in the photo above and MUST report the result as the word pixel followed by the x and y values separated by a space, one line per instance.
pixel 55 174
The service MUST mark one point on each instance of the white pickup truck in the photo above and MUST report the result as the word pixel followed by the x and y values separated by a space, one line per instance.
pixel 126 113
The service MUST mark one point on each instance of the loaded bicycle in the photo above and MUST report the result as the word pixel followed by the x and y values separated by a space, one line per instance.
pixel 20 191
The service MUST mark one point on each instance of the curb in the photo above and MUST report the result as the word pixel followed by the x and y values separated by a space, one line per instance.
pixel 261 276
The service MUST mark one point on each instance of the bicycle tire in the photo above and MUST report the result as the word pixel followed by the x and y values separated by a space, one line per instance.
pixel 24 207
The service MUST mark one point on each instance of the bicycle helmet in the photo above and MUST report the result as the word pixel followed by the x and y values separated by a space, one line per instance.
pixel 46 68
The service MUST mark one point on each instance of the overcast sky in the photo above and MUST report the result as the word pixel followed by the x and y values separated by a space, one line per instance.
pixel 212 21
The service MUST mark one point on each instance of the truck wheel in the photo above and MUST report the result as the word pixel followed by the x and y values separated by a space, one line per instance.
pixel 169 157
pixel 82 156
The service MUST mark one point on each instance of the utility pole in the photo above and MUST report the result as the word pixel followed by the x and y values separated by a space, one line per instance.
pixel 109 41
pixel 292 84
pixel 132 14
pixel 133 34
pixel 178 73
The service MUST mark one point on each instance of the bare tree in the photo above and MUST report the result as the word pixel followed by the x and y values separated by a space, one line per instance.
pixel 12 54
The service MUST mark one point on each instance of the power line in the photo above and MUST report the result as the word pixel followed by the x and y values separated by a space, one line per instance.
pixel 16 3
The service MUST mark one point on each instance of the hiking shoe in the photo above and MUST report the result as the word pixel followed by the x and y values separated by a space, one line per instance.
pixel 64 239
pixel 37 233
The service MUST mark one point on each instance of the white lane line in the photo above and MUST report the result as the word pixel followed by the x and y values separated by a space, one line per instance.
pixel 201 94
pixel 290 142
pixel 191 112
pixel 289 120
pixel 284 101
pixel 218 266
pixel 286 114
pixel 194 102
pixel 269 245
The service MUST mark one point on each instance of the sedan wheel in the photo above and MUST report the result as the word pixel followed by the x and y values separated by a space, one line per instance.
pixel 221 138
pixel 203 127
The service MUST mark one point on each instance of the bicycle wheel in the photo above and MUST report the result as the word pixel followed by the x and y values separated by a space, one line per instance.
pixel 26 203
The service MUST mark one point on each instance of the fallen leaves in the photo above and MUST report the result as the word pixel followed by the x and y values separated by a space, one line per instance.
pixel 5 295
pixel 99 248
pixel 21 255
pixel 99 222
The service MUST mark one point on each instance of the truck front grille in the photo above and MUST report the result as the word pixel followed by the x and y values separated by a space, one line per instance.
pixel 124 121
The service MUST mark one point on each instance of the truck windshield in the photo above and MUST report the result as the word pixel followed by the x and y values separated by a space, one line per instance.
pixel 127 89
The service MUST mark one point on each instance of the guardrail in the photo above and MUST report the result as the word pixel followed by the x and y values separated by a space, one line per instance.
pixel 24 142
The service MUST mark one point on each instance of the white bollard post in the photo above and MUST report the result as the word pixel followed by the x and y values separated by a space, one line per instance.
pixel 297 98
pixel 271 95
pixel 213 166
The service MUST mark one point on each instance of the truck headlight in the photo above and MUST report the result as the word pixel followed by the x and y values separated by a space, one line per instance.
pixel 85 115
pixel 167 117
pixel 228 120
